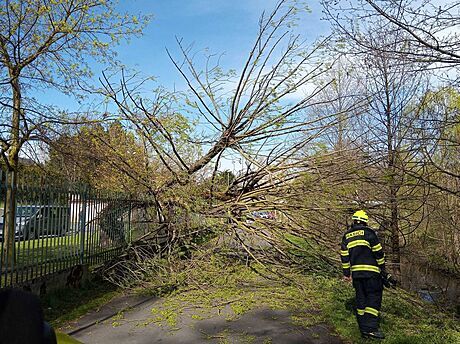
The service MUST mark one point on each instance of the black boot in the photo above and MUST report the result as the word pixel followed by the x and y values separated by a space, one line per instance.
pixel 373 335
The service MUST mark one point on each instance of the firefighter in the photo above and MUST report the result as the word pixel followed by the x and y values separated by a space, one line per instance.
pixel 363 263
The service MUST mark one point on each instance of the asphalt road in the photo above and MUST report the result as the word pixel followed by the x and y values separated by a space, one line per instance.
pixel 258 326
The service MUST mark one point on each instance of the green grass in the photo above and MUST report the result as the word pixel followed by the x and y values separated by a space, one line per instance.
pixel 64 305
pixel 45 249
pixel 30 252
pixel 218 286
pixel 405 319
pixel 42 256
pixel 214 285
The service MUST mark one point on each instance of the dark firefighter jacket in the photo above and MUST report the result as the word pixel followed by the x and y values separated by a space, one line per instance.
pixel 361 252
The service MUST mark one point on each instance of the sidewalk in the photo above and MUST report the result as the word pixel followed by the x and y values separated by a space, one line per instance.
pixel 107 311
pixel 138 325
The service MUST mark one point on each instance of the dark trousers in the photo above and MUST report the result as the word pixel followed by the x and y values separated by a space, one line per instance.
pixel 368 302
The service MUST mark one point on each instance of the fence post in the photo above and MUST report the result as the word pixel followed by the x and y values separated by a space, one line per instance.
pixel 82 226
pixel 130 238
pixel 3 202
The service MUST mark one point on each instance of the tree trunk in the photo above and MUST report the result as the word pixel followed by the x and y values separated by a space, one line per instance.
pixel 392 184
pixel 13 164
pixel 10 223
pixel 394 230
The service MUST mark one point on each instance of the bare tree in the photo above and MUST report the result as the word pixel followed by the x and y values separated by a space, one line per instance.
pixel 392 149
pixel 257 119
pixel 429 27
pixel 266 114
pixel 431 42
pixel 346 97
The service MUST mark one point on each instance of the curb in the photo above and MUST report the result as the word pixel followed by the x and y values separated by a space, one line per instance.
pixel 112 314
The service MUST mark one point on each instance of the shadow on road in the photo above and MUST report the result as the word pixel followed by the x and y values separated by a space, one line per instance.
pixel 257 326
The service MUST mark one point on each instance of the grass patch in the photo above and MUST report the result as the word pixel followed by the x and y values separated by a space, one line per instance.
pixel 64 305
pixel 55 248
pixel 47 255
pixel 38 251
pixel 405 318
pixel 215 286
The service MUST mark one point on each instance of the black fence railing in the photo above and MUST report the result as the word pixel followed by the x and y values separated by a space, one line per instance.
pixel 55 228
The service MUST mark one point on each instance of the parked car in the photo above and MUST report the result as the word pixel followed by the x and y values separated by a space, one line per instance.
pixel 33 221
pixel 264 215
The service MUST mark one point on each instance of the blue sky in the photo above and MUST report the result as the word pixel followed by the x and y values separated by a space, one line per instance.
pixel 223 26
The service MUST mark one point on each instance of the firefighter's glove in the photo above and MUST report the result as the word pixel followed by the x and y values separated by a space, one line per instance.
pixel 388 280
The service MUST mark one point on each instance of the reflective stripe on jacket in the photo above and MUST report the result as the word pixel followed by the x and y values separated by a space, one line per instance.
pixel 361 252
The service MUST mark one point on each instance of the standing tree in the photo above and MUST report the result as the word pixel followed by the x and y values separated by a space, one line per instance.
pixel 429 26
pixel 428 41
pixel 42 46
pixel 391 144
pixel 346 97
pixel 102 156
pixel 430 37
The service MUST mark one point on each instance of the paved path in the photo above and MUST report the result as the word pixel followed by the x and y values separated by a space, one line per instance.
pixel 106 312
pixel 263 326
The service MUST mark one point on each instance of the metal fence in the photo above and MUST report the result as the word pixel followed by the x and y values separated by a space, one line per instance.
pixel 59 227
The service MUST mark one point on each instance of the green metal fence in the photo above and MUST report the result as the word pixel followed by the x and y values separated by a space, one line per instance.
pixel 59 227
